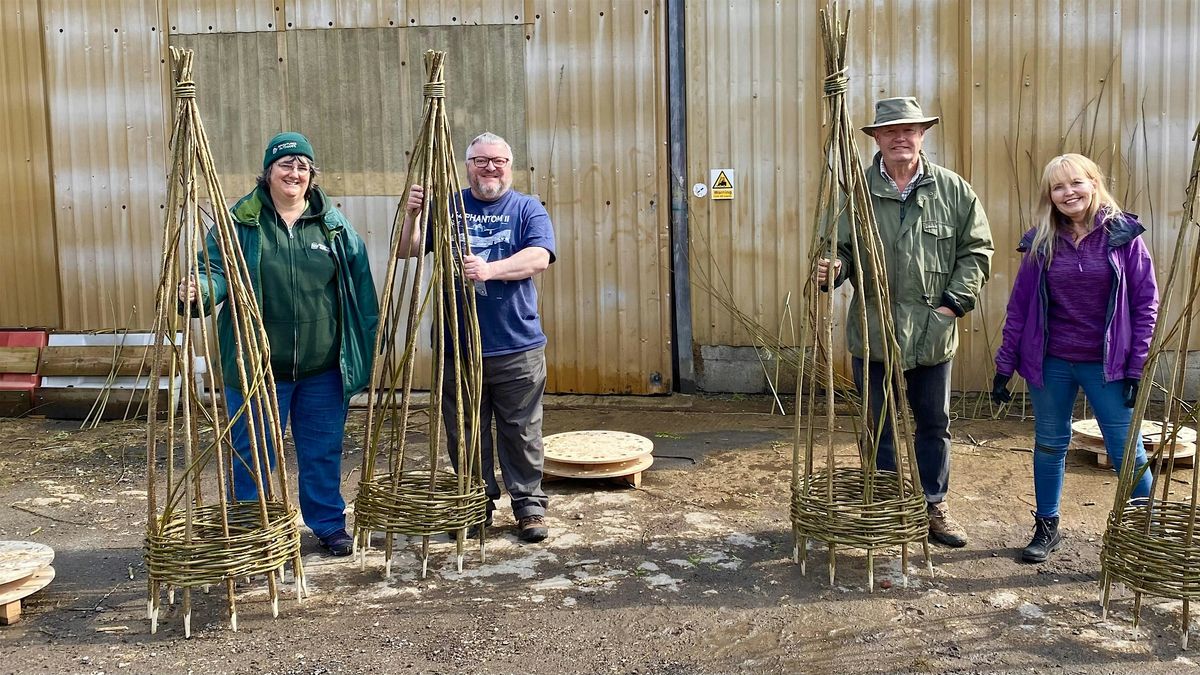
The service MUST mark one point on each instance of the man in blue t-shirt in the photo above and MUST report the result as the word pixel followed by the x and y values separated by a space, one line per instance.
pixel 512 241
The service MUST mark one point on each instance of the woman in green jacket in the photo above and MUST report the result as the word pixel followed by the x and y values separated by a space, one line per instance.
pixel 312 280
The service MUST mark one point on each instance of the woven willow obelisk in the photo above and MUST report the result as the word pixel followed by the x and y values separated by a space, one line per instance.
pixel 195 534
pixel 414 494
pixel 1153 545
pixel 849 504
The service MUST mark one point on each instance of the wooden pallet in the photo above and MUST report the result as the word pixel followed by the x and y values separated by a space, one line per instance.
pixel 1089 438
pixel 1184 452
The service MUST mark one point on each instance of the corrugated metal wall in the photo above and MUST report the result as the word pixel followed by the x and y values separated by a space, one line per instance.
pixel 1014 82
pixel 104 75
pixel 28 264
pixel 577 88
pixel 596 110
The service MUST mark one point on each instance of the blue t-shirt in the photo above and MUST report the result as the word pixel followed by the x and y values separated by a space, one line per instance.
pixel 507 310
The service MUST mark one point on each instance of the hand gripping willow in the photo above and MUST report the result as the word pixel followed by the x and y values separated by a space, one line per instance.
pixel 412 493
pixel 196 535
pixel 850 503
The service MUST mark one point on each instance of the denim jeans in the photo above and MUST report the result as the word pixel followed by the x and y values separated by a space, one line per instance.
pixel 928 389
pixel 513 385
pixel 317 411
pixel 1053 404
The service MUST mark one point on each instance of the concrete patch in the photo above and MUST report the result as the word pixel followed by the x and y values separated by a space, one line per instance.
pixel 524 567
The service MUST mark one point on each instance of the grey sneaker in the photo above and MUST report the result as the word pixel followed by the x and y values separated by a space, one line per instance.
pixel 532 529
pixel 943 529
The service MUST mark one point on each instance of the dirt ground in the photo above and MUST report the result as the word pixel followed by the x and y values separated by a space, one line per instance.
pixel 690 574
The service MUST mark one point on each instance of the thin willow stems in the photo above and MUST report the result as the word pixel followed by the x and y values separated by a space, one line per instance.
pixel 418 496
pixel 1150 544
pixel 856 506
pixel 201 536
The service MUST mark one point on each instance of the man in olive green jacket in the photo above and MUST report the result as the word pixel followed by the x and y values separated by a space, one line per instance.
pixel 937 250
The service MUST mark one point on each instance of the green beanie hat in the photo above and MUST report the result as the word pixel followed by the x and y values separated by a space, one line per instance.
pixel 287 143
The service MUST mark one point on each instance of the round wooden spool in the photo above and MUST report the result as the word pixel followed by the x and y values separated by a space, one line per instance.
pixel 24 570
pixel 598 454
pixel 1088 431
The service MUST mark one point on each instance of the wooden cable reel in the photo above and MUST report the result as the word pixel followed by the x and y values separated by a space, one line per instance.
pixel 856 505
pixel 411 495
pixel 196 535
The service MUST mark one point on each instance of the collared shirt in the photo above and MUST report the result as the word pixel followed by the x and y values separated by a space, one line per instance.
pixel 911 184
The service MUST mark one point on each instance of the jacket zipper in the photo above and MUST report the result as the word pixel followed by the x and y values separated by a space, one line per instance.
pixel 292 277
pixel 1108 319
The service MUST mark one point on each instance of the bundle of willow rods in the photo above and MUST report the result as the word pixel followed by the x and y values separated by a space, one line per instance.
pixel 201 537
pixel 416 496
pixel 1152 545
pixel 856 506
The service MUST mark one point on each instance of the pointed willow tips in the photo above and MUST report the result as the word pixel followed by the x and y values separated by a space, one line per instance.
pixel 417 494
pixel 1151 543
pixel 857 506
pixel 195 535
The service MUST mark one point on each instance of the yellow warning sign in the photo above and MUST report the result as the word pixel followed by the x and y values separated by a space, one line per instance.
pixel 722 183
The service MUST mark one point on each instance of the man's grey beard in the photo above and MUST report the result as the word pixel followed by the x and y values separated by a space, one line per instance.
pixel 493 192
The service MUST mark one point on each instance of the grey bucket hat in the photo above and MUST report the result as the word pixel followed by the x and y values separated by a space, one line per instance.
pixel 898 110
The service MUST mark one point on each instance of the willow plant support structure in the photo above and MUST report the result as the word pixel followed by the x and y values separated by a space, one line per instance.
pixel 1152 546
pixel 196 535
pixel 413 493
pixel 850 504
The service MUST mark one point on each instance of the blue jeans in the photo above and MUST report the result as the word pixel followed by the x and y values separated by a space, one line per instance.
pixel 928 389
pixel 318 413
pixel 1053 404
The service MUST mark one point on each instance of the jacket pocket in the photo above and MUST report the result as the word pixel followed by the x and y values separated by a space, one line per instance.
pixel 937 258
pixel 939 341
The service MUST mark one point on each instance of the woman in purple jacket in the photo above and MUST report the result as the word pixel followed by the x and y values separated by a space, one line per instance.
pixel 1081 314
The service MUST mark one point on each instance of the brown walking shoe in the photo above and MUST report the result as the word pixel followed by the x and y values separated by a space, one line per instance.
pixel 943 529
pixel 532 529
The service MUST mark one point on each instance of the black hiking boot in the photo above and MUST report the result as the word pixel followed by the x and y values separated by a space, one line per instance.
pixel 1045 540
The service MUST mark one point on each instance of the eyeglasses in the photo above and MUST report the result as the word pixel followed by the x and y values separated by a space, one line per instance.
pixel 299 167
pixel 482 162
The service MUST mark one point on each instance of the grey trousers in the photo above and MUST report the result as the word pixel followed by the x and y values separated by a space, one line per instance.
pixel 928 390
pixel 513 386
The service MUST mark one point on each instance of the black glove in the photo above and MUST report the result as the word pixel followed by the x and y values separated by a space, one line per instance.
pixel 1000 392
pixel 1130 391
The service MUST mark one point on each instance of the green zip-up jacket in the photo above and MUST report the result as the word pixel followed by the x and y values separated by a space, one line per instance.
pixel 358 305
pixel 937 250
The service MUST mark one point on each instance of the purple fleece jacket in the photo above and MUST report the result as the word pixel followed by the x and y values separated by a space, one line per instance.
pixel 1132 307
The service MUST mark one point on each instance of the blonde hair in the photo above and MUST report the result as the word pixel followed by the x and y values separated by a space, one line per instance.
pixel 1046 216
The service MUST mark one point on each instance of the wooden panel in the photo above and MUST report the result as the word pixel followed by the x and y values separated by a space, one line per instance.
pixel 18 359
pixel 28 264
pixel 362 119
pixel 378 76
pixel 77 404
pixel 15 403
pixel 128 361
pixel 231 69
